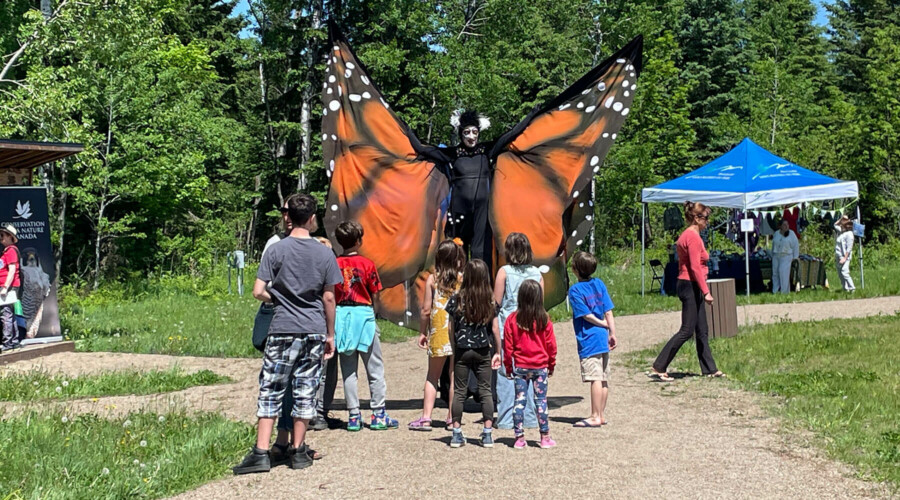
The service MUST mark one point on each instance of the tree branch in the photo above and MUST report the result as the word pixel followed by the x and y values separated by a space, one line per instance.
pixel 31 38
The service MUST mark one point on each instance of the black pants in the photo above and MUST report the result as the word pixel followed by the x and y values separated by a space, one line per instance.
pixel 693 320
pixel 478 361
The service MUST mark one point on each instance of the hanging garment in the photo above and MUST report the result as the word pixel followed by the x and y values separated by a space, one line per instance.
pixel 672 219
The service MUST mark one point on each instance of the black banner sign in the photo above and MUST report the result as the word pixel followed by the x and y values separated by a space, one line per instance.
pixel 25 208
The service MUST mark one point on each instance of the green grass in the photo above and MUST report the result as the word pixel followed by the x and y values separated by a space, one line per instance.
pixel 140 456
pixel 623 280
pixel 37 385
pixel 172 318
pixel 839 379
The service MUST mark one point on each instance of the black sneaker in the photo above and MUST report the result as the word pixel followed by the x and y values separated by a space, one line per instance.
pixel 318 424
pixel 278 455
pixel 300 457
pixel 255 461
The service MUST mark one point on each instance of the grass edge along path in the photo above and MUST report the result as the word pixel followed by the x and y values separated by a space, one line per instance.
pixel 38 385
pixel 142 455
pixel 839 379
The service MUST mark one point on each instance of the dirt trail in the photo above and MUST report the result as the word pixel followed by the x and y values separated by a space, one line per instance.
pixel 711 441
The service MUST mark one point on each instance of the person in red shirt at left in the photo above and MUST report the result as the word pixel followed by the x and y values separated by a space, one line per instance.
pixel 529 355
pixel 355 331
pixel 9 282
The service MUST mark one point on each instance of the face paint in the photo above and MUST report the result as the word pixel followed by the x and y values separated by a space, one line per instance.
pixel 470 136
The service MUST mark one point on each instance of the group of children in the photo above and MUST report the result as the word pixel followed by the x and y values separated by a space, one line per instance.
pixel 499 332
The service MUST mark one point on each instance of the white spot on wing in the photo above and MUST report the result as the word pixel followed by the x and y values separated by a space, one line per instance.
pixel 334 105
pixel 609 101
pixel 355 97
pixel 618 106
pixel 590 109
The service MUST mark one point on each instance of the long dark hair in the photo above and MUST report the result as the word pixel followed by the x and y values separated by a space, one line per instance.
pixel 531 315
pixel 448 262
pixel 476 299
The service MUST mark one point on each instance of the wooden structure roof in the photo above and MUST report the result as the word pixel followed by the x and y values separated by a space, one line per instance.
pixel 23 154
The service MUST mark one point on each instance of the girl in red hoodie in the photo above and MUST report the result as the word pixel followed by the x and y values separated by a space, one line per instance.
pixel 529 355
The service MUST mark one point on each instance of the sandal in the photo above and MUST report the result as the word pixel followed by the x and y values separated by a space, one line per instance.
pixel 662 377
pixel 420 424
pixel 718 374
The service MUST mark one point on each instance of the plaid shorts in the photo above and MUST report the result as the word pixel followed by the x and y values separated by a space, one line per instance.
pixel 284 354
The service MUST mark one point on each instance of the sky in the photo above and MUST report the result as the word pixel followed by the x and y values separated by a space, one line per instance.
pixel 821 14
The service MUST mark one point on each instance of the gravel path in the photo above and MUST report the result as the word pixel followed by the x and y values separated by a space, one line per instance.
pixel 696 438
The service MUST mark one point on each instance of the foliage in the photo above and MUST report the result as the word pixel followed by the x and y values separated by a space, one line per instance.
pixel 143 455
pixel 37 385
pixel 199 116
pixel 837 378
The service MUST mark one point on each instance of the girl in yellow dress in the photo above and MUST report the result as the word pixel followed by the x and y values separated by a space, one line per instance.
pixel 435 335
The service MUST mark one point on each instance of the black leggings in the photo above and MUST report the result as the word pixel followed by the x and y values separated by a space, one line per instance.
pixel 693 319
pixel 478 361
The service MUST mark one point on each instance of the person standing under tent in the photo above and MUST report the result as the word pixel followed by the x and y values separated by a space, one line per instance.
pixel 843 251
pixel 785 250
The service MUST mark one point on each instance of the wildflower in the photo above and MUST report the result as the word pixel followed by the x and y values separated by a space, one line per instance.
pixel 162 419
pixel 65 383
pixel 58 389
pixel 136 461
pixel 143 465
pixel 65 419
pixel 146 479
pixel 127 423
pixel 35 383
pixel 105 471
pixel 143 443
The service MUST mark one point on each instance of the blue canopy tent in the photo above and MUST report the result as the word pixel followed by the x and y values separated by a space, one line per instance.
pixel 747 177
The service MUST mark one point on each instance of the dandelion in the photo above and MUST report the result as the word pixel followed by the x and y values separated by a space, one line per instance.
pixel 143 443
pixel 58 389
pixel 35 383
pixel 65 383
pixel 162 419
pixel 127 423
pixel 105 471
pixel 65 419
pixel 136 461
pixel 143 465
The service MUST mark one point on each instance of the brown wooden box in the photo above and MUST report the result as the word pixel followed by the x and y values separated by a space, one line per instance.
pixel 722 314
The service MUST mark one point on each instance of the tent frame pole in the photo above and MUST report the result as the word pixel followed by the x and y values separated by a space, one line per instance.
pixel 643 244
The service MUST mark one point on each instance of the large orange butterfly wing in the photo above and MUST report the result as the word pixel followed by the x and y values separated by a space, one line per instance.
pixel 543 173
pixel 377 180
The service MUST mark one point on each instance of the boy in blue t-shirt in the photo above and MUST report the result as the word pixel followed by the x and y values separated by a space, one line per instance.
pixel 595 331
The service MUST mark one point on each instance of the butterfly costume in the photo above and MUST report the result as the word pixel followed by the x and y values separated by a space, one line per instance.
pixel 535 179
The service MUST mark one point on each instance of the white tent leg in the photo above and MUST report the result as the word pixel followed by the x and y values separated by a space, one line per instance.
pixel 862 274
pixel 747 260
pixel 643 238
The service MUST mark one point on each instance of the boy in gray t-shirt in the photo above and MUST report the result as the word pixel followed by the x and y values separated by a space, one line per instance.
pixel 303 273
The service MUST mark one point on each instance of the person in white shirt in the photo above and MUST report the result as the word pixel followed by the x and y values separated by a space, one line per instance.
pixel 785 250
pixel 843 250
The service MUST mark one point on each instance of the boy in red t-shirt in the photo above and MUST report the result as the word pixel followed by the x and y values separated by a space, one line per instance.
pixel 355 331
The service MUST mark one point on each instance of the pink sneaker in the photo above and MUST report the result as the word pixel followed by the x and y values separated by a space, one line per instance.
pixel 547 442
pixel 520 444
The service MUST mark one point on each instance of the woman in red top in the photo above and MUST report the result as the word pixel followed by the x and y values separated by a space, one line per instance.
pixel 693 292
pixel 529 356
pixel 9 282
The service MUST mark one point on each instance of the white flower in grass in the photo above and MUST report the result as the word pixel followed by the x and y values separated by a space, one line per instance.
pixel 65 419
pixel 105 471
pixel 136 461
pixel 126 423
pixel 143 444
pixel 35 383
pixel 162 419
pixel 58 389
pixel 143 465
pixel 65 383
